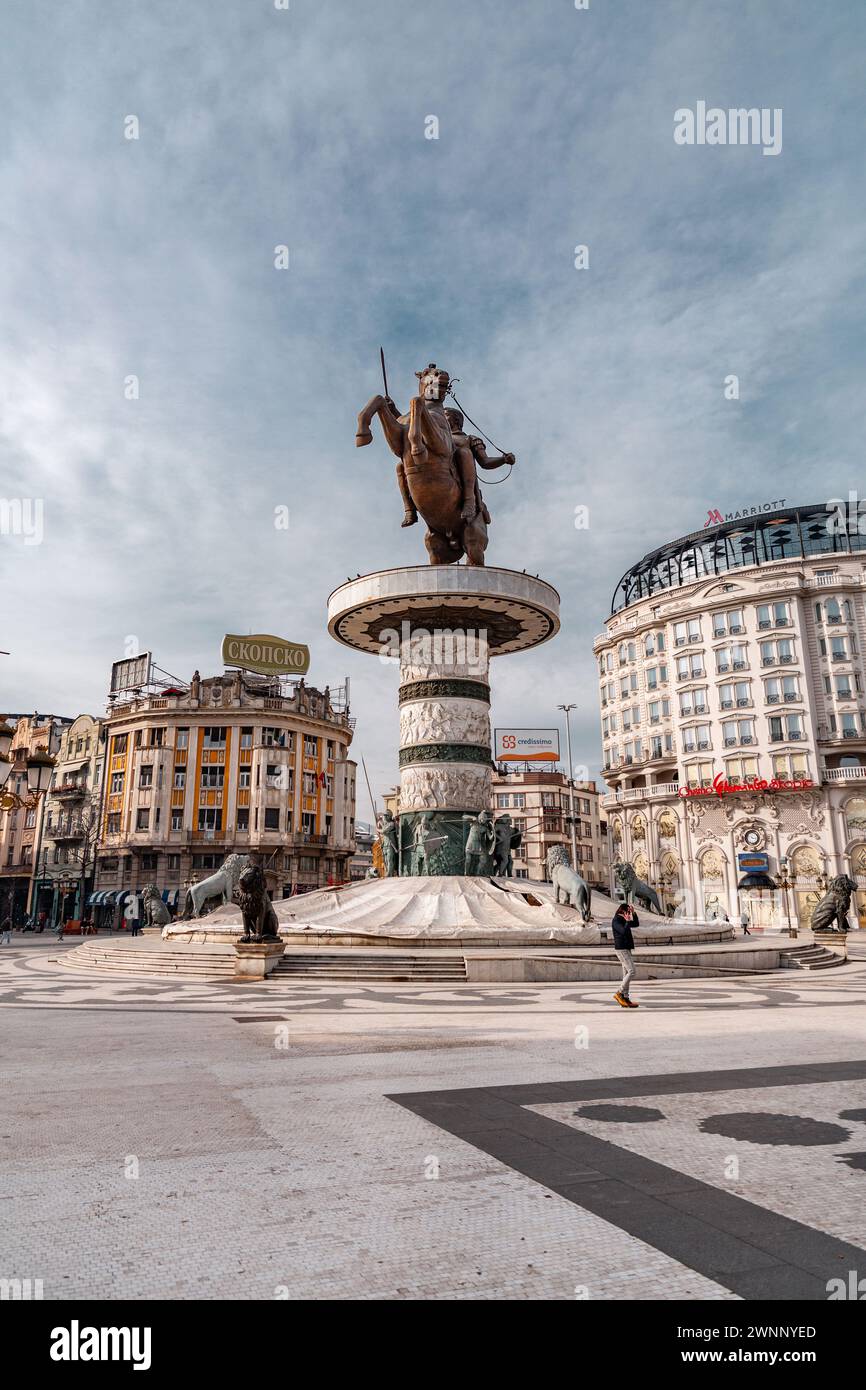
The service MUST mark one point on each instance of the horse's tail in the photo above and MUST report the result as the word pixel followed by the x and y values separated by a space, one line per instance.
pixel 588 902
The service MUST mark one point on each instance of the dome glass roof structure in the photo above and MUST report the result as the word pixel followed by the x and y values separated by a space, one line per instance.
pixel 791 533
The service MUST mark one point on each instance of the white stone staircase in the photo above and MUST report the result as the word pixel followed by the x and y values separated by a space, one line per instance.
pixel 165 960
pixel 359 966
pixel 810 957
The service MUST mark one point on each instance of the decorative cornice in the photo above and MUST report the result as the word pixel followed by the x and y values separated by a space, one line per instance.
pixel 439 689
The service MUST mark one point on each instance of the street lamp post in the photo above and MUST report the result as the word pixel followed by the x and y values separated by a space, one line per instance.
pixel 784 881
pixel 573 824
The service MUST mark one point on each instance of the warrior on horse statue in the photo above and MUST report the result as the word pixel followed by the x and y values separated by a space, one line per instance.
pixel 437 469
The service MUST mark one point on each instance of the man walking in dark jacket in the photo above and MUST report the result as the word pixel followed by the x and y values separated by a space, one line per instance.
pixel 624 919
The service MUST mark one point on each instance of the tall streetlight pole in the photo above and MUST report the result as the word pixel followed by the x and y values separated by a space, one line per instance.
pixel 568 709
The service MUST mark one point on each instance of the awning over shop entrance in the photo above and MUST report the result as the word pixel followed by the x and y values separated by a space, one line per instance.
pixel 752 881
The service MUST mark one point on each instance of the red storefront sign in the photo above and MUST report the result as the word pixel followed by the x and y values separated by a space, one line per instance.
pixel 722 787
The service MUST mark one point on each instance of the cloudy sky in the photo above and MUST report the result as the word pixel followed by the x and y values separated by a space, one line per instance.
pixel 259 127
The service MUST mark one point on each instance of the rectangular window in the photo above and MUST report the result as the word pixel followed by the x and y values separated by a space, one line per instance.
pixel 157 737
pixel 142 818
pixel 214 737
pixel 212 776
pixel 209 818
pixel 272 818
pixel 177 819
pixel 207 861
pixel 145 775
pixel 244 777
pixel 182 738
pixel 179 778
pixel 243 818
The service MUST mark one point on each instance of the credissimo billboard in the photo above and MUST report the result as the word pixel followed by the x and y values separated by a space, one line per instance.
pixel 526 745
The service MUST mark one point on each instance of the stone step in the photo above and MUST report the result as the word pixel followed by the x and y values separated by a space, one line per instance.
pixel 348 971
pixel 380 967
pixel 814 958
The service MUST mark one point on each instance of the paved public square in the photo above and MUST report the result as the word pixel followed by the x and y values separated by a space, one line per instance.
pixel 195 1140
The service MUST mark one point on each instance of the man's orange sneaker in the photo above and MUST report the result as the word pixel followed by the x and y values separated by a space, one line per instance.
pixel 621 1000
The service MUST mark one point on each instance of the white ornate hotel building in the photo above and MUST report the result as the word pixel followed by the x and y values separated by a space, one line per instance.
pixel 733 715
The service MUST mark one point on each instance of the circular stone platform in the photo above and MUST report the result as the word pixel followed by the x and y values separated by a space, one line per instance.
pixel 515 610
pixel 441 910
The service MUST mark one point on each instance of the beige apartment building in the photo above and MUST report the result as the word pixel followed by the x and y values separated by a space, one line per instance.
pixel 72 811
pixel 37 735
pixel 231 763
pixel 733 715
pixel 539 806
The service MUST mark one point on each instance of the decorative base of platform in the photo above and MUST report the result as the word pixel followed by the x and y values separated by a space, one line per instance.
pixel 256 959
pixel 447 909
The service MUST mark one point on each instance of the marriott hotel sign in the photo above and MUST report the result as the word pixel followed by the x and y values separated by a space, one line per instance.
pixel 717 518
pixel 268 656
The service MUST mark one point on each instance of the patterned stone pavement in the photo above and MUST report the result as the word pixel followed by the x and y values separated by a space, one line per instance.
pixel 188 1140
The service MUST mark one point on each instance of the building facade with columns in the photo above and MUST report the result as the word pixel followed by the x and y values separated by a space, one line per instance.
pixel 733 713
pixel 64 876
pixel 227 765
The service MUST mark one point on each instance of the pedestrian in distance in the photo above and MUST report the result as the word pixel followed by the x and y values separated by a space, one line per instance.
pixel 624 919
pixel 6 931
pixel 132 916
pixel 744 922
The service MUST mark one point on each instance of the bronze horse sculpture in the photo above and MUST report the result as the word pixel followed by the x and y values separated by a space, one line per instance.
pixel 436 472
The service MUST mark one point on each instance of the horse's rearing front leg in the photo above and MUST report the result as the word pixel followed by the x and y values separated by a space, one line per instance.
pixel 390 420
pixel 416 429
pixel 363 434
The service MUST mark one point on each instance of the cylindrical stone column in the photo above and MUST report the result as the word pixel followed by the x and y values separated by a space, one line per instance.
pixel 443 623
pixel 445 762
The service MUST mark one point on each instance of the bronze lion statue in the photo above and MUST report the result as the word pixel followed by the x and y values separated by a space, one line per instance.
pixel 831 913
pixel 251 896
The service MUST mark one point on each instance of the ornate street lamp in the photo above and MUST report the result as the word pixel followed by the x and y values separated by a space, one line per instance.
pixel 784 881
pixel 38 768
